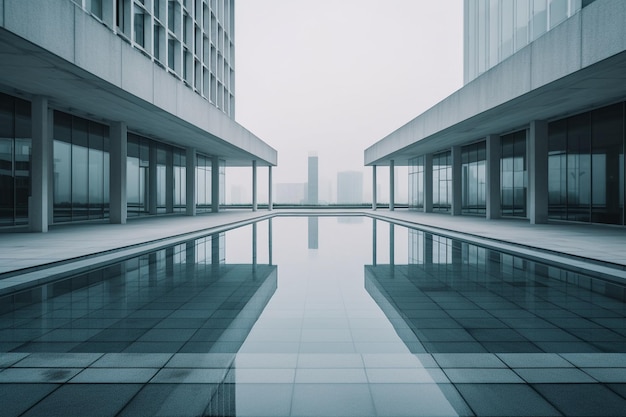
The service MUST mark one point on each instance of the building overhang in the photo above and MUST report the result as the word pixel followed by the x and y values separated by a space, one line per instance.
pixel 577 66
pixel 56 50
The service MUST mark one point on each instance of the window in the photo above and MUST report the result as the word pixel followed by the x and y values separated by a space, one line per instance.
pixel 442 182
pixel 138 25
pixel 416 183
pixel 473 179
pixel 513 174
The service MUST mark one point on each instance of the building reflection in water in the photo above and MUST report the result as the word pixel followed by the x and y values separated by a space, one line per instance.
pixel 181 300
pixel 456 297
pixel 313 232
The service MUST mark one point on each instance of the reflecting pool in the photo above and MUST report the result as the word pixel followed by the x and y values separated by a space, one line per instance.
pixel 318 316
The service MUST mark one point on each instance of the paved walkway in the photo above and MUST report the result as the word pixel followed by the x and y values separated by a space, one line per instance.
pixel 42 256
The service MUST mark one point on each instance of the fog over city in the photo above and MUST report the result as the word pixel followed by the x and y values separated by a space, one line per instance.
pixel 334 77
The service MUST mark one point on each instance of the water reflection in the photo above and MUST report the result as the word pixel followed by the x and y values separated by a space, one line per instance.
pixel 175 318
pixel 458 298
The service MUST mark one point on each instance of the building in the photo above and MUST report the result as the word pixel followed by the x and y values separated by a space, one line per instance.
pixel 350 187
pixel 290 193
pixel 313 180
pixel 537 131
pixel 111 109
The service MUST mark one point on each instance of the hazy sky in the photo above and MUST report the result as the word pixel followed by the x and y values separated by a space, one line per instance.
pixel 335 76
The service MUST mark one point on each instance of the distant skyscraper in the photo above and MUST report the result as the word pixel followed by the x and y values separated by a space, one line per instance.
pixel 313 183
pixel 349 187
pixel 291 193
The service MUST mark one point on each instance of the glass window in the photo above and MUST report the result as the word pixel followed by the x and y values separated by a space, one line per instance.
pixel 473 179
pixel 139 27
pixel 416 183
pixel 506 29
pixel 558 12
pixel 557 179
pixel 442 182
pixel 607 144
pixel 540 18
pixel 513 174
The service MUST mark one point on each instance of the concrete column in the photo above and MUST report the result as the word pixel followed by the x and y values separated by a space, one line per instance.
pixel 254 190
pixel 392 185
pixel 270 202
pixel 374 240
pixel 152 179
pixel 215 184
pixel 51 167
pixel 428 183
pixel 538 172
pixel 118 155
pixel 492 175
pixel 190 173
pixel 374 187
pixel 457 181
pixel 38 204
pixel 269 240
pixel 169 182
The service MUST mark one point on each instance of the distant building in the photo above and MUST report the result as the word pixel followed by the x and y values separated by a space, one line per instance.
pixel 350 187
pixel 313 183
pixel 290 193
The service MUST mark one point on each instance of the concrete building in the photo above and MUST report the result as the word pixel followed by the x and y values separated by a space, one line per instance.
pixel 350 187
pixel 313 179
pixel 537 131
pixel 117 108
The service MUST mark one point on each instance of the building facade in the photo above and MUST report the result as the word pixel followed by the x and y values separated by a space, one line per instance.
pixel 350 187
pixel 537 133
pixel 111 109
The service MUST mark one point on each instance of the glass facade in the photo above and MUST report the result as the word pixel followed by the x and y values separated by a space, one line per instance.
pixel 81 169
pixel 495 29
pixel 170 167
pixel 15 160
pixel 473 177
pixel 442 181
pixel 586 166
pixel 193 40
pixel 203 184
pixel 513 174
pixel 416 183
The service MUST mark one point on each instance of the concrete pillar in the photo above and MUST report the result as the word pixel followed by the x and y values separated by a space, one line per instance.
pixel 392 185
pixel 190 173
pixel 538 172
pixel 270 202
pixel 492 175
pixel 457 181
pixel 374 187
pixel 428 183
pixel 152 179
pixel 374 241
pixel 38 205
pixel 215 184
pixel 169 182
pixel 118 155
pixel 51 167
pixel 269 240
pixel 254 190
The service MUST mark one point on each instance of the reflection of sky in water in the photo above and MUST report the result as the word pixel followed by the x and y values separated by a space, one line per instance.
pixel 322 346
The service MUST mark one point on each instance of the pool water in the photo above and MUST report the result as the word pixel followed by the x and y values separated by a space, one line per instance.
pixel 317 316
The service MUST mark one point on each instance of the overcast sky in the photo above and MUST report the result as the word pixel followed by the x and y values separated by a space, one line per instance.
pixel 335 76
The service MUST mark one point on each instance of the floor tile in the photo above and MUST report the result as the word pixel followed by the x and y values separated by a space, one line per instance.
pixel 338 400
pixel 468 360
pixel 85 400
pixel 132 360
pixel 478 375
pixel 37 375
pixel 553 375
pixel 583 399
pixel 614 375
pixel 264 400
pixel 17 398
pixel 411 400
pixel 534 360
pixel 190 376
pixel 114 375
pixel 173 400
pixel 330 360
pixel 266 376
pixel 58 360
pixel 201 360
pixel 596 360
pixel 329 376
pixel 505 400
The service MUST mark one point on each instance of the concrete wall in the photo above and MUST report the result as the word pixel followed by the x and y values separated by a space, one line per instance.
pixel 595 33
pixel 64 29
